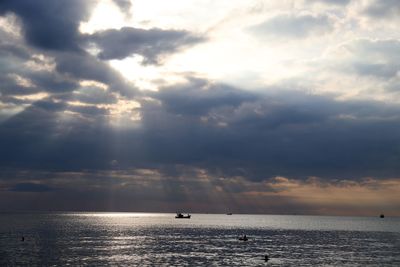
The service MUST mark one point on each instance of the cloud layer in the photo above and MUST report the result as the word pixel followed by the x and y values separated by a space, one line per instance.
pixel 320 118
pixel 151 44
pixel 295 26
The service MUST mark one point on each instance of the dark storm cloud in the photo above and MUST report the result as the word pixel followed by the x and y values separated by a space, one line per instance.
pixel 151 44
pixel 12 50
pixel 255 136
pixel 54 72
pixel 51 29
pixel 33 81
pixel 293 26
pixel 87 67
pixel 50 82
pixel 91 111
pixel 294 135
pixel 199 97
pixel 49 105
pixel 49 59
pixel 383 9
pixel 49 24
pixel 46 142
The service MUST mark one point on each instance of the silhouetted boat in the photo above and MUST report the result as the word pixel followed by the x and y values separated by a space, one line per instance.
pixel 243 238
pixel 229 213
pixel 181 216
pixel 382 216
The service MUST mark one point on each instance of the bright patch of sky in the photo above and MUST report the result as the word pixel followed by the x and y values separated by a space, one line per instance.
pixel 254 44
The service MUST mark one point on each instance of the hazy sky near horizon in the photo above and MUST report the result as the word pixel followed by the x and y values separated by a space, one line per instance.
pixel 199 105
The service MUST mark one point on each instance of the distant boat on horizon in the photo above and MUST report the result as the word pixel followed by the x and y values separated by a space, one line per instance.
pixel 230 213
pixel 382 216
pixel 181 216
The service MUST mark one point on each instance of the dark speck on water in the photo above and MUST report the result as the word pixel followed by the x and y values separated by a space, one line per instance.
pixel 152 239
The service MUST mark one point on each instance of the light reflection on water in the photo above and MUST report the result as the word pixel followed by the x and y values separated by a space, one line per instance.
pixel 151 239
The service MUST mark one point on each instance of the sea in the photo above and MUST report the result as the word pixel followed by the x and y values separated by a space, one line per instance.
pixel 158 239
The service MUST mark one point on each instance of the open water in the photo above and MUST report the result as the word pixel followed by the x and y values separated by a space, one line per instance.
pixel 155 239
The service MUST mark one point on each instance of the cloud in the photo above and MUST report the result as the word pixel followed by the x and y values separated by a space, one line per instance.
pixel 124 5
pixel 33 69
pixel 30 187
pixel 50 25
pixel 341 197
pixel 87 67
pixel 199 191
pixel 286 134
pixel 382 9
pixel 50 57
pixel 365 57
pixel 71 121
pixel 224 130
pixel 94 95
pixel 295 26
pixel 151 43
pixel 199 97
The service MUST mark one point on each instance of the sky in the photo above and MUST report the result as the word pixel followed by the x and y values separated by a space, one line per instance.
pixel 244 106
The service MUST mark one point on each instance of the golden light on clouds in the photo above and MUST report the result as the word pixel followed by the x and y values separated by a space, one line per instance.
pixel 33 97
pixel 128 109
pixel 21 81
pixel 9 24
pixel 124 107
pixel 40 62
pixel 366 197
pixel 91 83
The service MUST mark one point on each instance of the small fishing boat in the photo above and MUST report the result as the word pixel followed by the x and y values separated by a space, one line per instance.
pixel 181 216
pixel 243 238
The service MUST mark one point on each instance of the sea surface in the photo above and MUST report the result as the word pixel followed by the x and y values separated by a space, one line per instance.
pixel 155 239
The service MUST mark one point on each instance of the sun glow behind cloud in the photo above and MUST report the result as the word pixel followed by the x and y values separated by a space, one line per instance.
pixel 231 55
pixel 234 55
pixel 146 77
pixel 105 15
